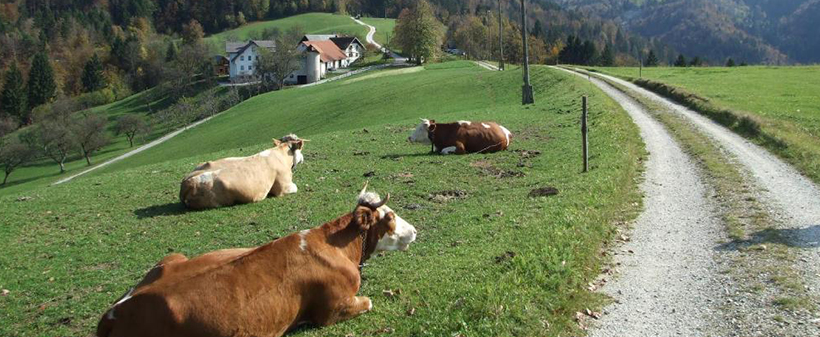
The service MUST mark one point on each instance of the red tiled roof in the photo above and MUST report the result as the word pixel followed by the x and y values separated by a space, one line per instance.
pixel 328 51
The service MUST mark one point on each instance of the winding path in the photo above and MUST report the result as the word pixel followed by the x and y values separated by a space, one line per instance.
pixel 668 283
pixel 792 199
pixel 671 274
pixel 369 38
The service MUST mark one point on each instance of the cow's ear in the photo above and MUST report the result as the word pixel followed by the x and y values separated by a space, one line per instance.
pixel 296 145
pixel 363 217
pixel 389 221
pixel 276 142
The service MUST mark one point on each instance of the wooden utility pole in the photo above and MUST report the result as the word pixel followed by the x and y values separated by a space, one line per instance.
pixel 640 64
pixel 500 39
pixel 526 90
pixel 584 133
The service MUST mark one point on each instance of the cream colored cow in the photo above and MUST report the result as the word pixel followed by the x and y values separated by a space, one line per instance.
pixel 242 180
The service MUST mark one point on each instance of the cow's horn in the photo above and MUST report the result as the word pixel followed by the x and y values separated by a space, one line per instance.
pixel 364 189
pixel 380 203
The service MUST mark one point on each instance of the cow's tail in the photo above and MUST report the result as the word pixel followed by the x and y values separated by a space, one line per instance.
pixel 106 325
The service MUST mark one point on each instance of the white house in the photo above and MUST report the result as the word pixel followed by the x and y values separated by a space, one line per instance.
pixel 242 57
pixel 350 45
pixel 322 53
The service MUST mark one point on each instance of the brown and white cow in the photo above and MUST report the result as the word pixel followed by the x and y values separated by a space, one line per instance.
pixel 309 277
pixel 461 137
pixel 242 180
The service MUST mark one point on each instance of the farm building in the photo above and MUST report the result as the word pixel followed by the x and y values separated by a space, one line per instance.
pixel 322 53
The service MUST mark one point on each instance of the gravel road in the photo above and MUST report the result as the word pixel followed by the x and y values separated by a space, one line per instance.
pixel 668 282
pixel 791 199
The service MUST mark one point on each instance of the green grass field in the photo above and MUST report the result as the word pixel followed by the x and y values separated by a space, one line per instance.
pixel 311 23
pixel 784 101
pixel 495 262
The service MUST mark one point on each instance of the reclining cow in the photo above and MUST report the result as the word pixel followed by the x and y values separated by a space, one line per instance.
pixel 461 137
pixel 310 276
pixel 242 180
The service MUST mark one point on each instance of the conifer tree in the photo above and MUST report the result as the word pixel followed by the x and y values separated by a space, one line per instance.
pixel 651 59
pixel 13 98
pixel 681 61
pixel 41 85
pixel 93 79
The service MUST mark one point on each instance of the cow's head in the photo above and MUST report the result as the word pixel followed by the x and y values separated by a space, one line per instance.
pixel 294 147
pixel 421 133
pixel 385 229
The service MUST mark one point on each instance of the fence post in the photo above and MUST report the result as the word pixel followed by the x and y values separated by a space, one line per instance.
pixel 584 133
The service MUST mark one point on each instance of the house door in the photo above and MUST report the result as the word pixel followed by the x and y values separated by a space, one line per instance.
pixel 301 79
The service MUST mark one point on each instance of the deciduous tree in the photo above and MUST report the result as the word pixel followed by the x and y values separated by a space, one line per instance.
pixel 90 135
pixel 277 64
pixel 418 32
pixel 13 153
pixel 192 32
pixel 131 126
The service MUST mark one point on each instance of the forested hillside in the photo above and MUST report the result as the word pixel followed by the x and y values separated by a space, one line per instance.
pixel 754 31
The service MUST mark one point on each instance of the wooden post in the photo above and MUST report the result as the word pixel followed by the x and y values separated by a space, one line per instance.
pixel 526 89
pixel 500 39
pixel 584 133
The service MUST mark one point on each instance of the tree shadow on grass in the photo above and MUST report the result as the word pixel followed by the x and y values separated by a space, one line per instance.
pixel 171 208
pixel 807 237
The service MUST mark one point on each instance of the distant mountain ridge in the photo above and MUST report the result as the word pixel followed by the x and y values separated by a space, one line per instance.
pixel 755 31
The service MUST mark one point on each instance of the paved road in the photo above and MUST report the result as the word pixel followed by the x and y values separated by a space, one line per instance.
pixel 668 282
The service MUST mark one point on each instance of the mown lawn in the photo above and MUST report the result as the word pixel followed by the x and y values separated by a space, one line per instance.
pixel 491 262
pixel 783 99
pixel 311 23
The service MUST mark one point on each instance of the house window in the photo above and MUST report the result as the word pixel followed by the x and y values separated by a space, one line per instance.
pixel 242 58
pixel 250 67
pixel 241 67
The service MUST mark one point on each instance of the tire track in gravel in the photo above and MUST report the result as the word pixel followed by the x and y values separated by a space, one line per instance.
pixel 668 282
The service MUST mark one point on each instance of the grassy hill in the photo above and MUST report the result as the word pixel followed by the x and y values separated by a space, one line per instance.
pixel 44 172
pixel 490 260
pixel 312 23
pixel 782 100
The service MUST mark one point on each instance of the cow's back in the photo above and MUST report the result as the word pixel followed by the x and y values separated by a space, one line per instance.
pixel 484 137
pixel 224 293
pixel 227 182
